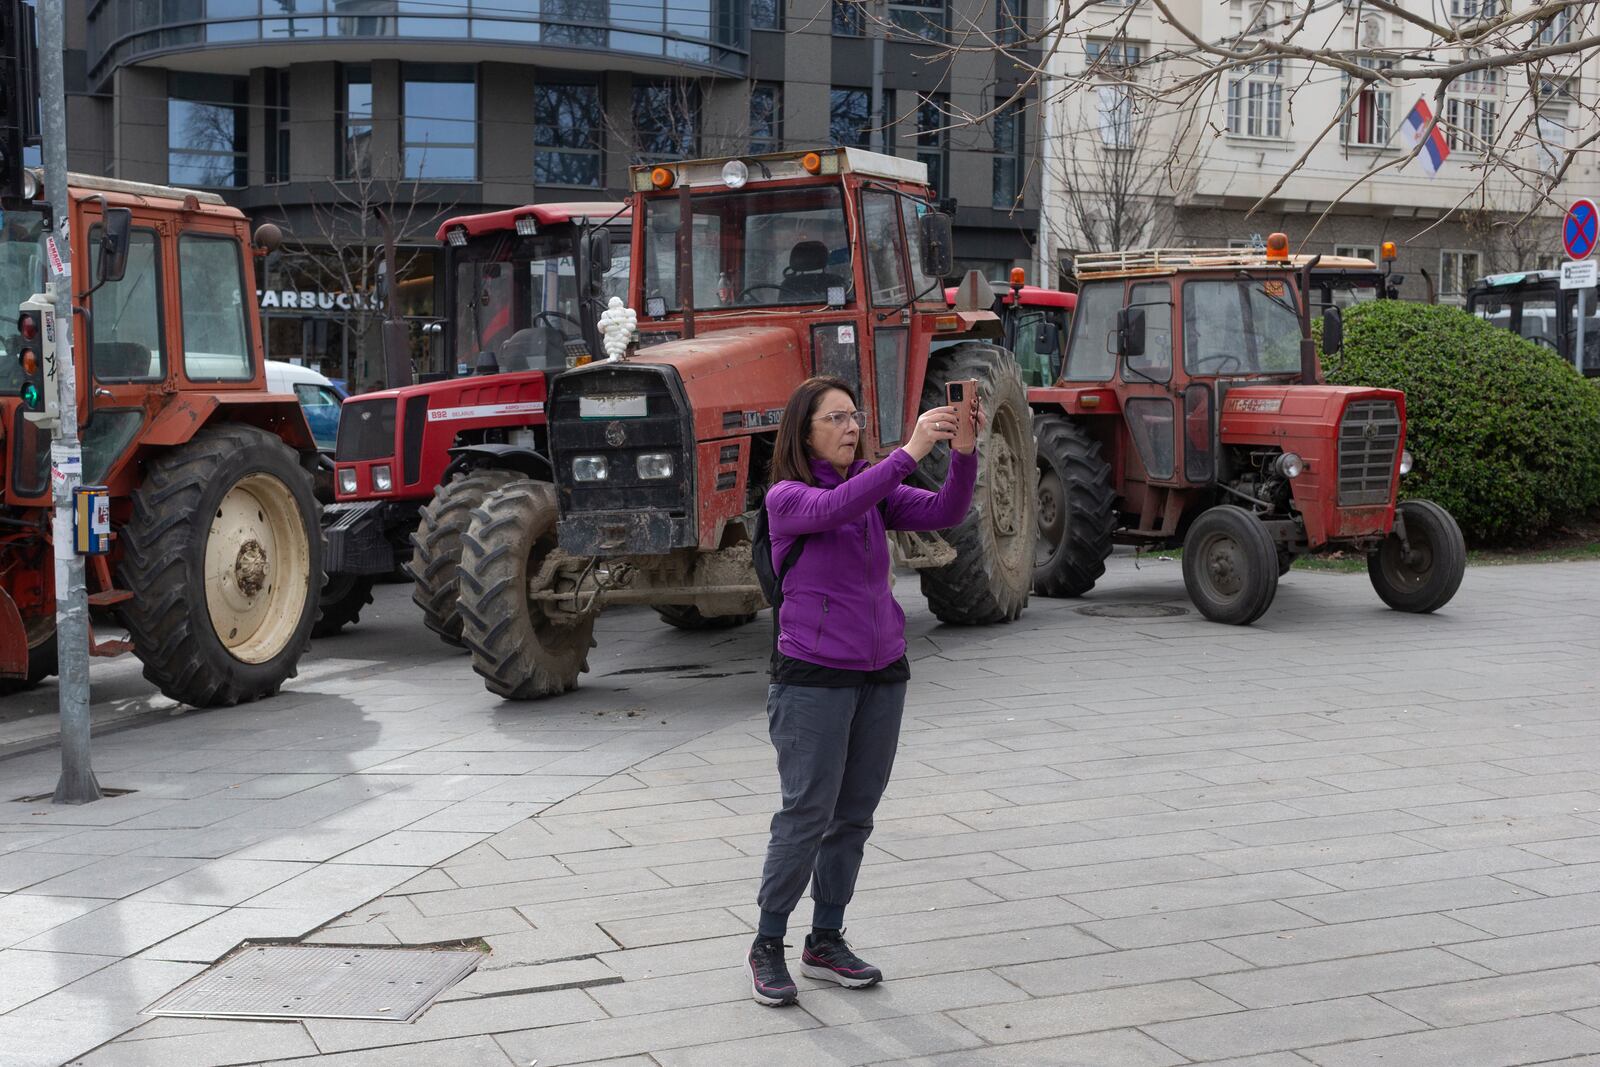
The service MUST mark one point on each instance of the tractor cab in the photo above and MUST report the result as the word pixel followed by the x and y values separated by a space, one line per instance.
pixel 1033 325
pixel 1532 304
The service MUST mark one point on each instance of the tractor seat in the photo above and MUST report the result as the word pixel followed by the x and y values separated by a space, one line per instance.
pixel 122 361
pixel 806 277
pixel 533 348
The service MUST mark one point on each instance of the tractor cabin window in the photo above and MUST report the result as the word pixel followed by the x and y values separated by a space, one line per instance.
pixel 1089 356
pixel 127 314
pixel 216 343
pixel 886 252
pixel 1236 327
pixel 1156 363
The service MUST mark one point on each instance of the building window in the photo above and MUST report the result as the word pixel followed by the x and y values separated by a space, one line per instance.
pixel 849 114
pixel 1010 20
pixel 847 19
pixel 1007 163
pixel 1474 9
pixel 1255 100
pixel 1559 29
pixel 1114 60
pixel 918 18
pixel 567 125
pixel 1457 272
pixel 441 122
pixel 206 129
pixel 1371 118
pixel 1357 252
pixel 355 160
pixel 1553 113
pixel 766 14
pixel 276 113
pixel 1112 55
pixel 933 139
pixel 664 120
pixel 1471 109
pixel 766 118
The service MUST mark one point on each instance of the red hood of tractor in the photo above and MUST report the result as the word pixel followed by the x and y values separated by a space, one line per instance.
pixel 750 370
pixel 1280 414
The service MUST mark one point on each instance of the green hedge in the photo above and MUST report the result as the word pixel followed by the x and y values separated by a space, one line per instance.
pixel 1506 435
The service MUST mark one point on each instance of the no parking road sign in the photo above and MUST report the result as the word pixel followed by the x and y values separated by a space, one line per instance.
pixel 1579 231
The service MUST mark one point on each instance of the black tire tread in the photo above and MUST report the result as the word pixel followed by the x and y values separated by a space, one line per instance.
pixel 1450 557
pixel 436 548
pixel 1256 541
pixel 1089 501
pixel 689 617
pixel 345 610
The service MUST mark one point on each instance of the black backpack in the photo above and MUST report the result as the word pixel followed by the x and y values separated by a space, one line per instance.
pixel 770 577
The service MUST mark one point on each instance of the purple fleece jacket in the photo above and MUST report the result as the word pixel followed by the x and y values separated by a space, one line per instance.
pixel 838 610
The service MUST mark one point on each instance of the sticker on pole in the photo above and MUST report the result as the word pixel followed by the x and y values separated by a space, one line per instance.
pixel 1579 230
pixel 1579 274
pixel 58 266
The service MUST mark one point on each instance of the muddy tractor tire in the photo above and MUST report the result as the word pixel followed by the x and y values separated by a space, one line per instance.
pixel 1429 576
pixel 1230 565
pixel 993 570
pixel 1076 509
pixel 436 548
pixel 520 650
pixel 341 602
pixel 41 657
pixel 223 556
pixel 689 617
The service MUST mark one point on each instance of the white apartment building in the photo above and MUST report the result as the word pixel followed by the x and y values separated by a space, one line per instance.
pixel 1186 169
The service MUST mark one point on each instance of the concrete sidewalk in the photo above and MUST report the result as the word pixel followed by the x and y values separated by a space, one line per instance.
pixel 1342 836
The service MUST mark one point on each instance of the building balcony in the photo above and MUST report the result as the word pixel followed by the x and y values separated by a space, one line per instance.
pixel 663 37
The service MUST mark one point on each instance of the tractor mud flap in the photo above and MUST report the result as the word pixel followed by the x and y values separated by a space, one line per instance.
pixel 13 639
pixel 620 533
pixel 358 540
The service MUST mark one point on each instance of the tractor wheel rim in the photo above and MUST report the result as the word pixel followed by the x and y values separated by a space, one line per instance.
pixel 1006 487
pixel 1052 515
pixel 1220 563
pixel 1408 571
pixel 257 568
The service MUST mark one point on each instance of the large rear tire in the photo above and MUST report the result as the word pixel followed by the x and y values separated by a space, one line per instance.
pixel 341 602
pixel 520 651
pixel 1425 580
pixel 1076 509
pixel 1230 565
pixel 689 617
pixel 223 556
pixel 436 548
pixel 993 570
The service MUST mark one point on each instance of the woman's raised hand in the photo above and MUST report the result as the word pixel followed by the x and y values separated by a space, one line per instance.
pixel 933 426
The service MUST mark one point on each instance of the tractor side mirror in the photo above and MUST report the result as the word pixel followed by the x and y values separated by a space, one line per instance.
pixel 599 256
pixel 938 244
pixel 1332 330
pixel 1047 338
pixel 115 225
pixel 1130 332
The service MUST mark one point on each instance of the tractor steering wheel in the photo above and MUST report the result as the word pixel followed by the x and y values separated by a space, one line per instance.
pixel 1221 361
pixel 553 316
pixel 744 296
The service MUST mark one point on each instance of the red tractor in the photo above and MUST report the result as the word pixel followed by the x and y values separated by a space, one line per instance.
pixel 216 560
pixel 750 275
pixel 1033 324
pixel 524 288
pixel 1192 412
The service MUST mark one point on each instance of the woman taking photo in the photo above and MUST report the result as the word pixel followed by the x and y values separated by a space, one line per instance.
pixel 839 671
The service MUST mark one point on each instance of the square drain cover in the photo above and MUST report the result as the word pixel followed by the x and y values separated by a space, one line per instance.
pixel 318 982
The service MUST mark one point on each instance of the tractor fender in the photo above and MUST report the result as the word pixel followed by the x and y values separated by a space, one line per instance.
pixel 13 639
pixel 519 458
pixel 186 414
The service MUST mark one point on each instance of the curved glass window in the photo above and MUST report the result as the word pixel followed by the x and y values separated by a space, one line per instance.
pixel 441 122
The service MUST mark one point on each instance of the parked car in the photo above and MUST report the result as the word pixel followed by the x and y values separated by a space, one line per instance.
pixel 319 398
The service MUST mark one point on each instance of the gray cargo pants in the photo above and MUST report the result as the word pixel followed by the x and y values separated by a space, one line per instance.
pixel 835 751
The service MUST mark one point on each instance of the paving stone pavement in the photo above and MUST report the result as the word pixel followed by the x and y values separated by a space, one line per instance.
pixel 1343 836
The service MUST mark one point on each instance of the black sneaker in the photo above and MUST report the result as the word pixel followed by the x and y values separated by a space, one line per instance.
pixel 770 983
pixel 828 957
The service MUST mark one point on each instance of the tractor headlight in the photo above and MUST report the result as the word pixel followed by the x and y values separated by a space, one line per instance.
pixel 1290 465
pixel 1406 461
pixel 382 478
pixel 347 481
pixel 589 469
pixel 654 465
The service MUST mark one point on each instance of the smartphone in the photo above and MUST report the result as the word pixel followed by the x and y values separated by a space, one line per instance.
pixel 963 396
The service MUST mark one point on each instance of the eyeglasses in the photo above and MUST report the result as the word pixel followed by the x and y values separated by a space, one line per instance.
pixel 836 419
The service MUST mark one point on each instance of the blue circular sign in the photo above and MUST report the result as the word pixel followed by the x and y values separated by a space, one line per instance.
pixel 1579 230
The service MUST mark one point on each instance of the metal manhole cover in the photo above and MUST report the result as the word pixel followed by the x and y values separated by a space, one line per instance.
pixel 1132 611
pixel 318 982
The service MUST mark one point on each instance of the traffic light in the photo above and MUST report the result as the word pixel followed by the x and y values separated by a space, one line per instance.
pixel 36 356
pixel 19 92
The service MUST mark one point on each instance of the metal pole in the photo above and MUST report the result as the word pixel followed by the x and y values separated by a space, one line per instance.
pixel 77 784
pixel 878 117
pixel 1583 313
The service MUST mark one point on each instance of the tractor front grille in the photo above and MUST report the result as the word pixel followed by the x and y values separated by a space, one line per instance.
pixel 366 430
pixel 1369 438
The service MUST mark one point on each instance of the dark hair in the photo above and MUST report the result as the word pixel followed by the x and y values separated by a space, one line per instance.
pixel 791 458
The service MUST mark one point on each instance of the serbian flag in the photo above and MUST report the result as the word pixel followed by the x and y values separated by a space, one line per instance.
pixel 1434 150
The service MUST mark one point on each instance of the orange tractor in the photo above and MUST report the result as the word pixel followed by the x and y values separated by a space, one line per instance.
pixel 1192 412
pixel 748 275
pixel 216 558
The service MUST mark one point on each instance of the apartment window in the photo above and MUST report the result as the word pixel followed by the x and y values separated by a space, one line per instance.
pixel 849 115
pixel 206 129
pixel 918 18
pixel 1114 102
pixel 1471 122
pixel 1553 119
pixel 1357 251
pixel 1457 271
pixel 1559 29
pixel 1112 55
pixel 766 15
pixel 766 118
pixel 1010 20
pixel 1370 119
pixel 933 138
pixel 1474 9
pixel 664 120
pixel 355 158
pixel 1255 100
pixel 440 104
pixel 847 19
pixel 276 113
pixel 567 125
pixel 1007 163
